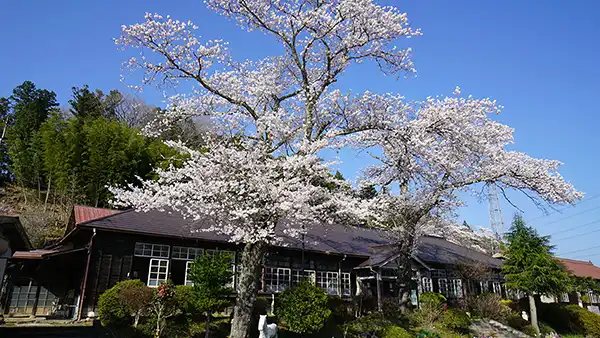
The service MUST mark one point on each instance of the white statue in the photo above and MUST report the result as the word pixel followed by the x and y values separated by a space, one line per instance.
pixel 524 315
pixel 266 330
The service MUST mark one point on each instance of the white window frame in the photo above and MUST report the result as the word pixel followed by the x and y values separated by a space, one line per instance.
pixel 328 281
pixel 299 274
pixel 485 286
pixel 159 273
pixel 275 284
pixel 497 288
pixel 456 288
pixel 155 250
pixel 443 290
pixel 427 284
pixel 188 266
pixel 185 253
pixel 346 284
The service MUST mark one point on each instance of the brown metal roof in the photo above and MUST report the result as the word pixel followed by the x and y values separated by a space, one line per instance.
pixel 581 268
pixel 32 254
pixel 330 238
pixel 85 214
pixel 334 238
pixel 432 249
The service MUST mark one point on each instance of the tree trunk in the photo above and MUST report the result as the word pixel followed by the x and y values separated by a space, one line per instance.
pixel 404 278
pixel 252 258
pixel 533 314
pixel 136 319
pixel 207 326
pixel 47 192
pixel 378 283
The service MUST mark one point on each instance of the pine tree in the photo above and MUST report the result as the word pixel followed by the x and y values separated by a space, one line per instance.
pixel 531 267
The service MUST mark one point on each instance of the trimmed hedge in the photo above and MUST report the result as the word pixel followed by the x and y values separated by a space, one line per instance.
pixel 396 332
pixel 456 320
pixel 112 309
pixel 304 308
pixel 571 319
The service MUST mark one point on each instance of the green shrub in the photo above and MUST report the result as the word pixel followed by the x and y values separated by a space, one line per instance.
pixel 571 319
pixel 372 325
pixel 391 311
pixel 430 309
pixel 110 309
pixel 545 328
pixel 428 334
pixel 303 309
pixel 529 330
pixel 432 298
pixel 583 321
pixel 117 304
pixel 515 321
pixel 185 300
pixel 456 320
pixel 487 305
pixel 396 332
pixel 341 309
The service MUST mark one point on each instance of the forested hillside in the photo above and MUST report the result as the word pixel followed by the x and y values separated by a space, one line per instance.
pixel 52 157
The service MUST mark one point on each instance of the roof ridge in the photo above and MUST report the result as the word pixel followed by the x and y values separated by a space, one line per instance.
pixel 576 261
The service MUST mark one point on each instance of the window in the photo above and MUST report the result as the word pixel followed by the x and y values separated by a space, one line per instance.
pixel 279 261
pixel 185 253
pixel 46 300
pixel 427 284
pixel 564 298
pixel 276 279
pixel 497 288
pixel 443 286
pixel 188 266
pixel 23 298
pixel 438 274
pixel 299 275
pixel 456 289
pixel 593 297
pixel 151 250
pixel 485 287
pixel 328 281
pixel 159 269
pixel 346 287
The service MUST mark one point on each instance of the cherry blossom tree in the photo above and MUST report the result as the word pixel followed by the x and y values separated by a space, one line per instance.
pixel 273 117
pixel 432 150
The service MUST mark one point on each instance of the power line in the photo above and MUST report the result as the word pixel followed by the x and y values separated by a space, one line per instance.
pixel 570 252
pixel 562 209
pixel 573 215
pixel 590 255
pixel 576 227
pixel 583 234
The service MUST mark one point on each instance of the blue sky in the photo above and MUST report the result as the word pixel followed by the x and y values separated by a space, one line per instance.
pixel 537 58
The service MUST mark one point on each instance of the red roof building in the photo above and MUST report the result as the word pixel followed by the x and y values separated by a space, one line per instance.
pixel 581 268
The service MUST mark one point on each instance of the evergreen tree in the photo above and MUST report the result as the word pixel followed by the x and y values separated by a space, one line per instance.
pixel 5 122
pixel 31 107
pixel 87 104
pixel 531 267
pixel 210 275
pixel 367 192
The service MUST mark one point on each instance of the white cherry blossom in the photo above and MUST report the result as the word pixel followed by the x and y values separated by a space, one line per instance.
pixel 273 117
